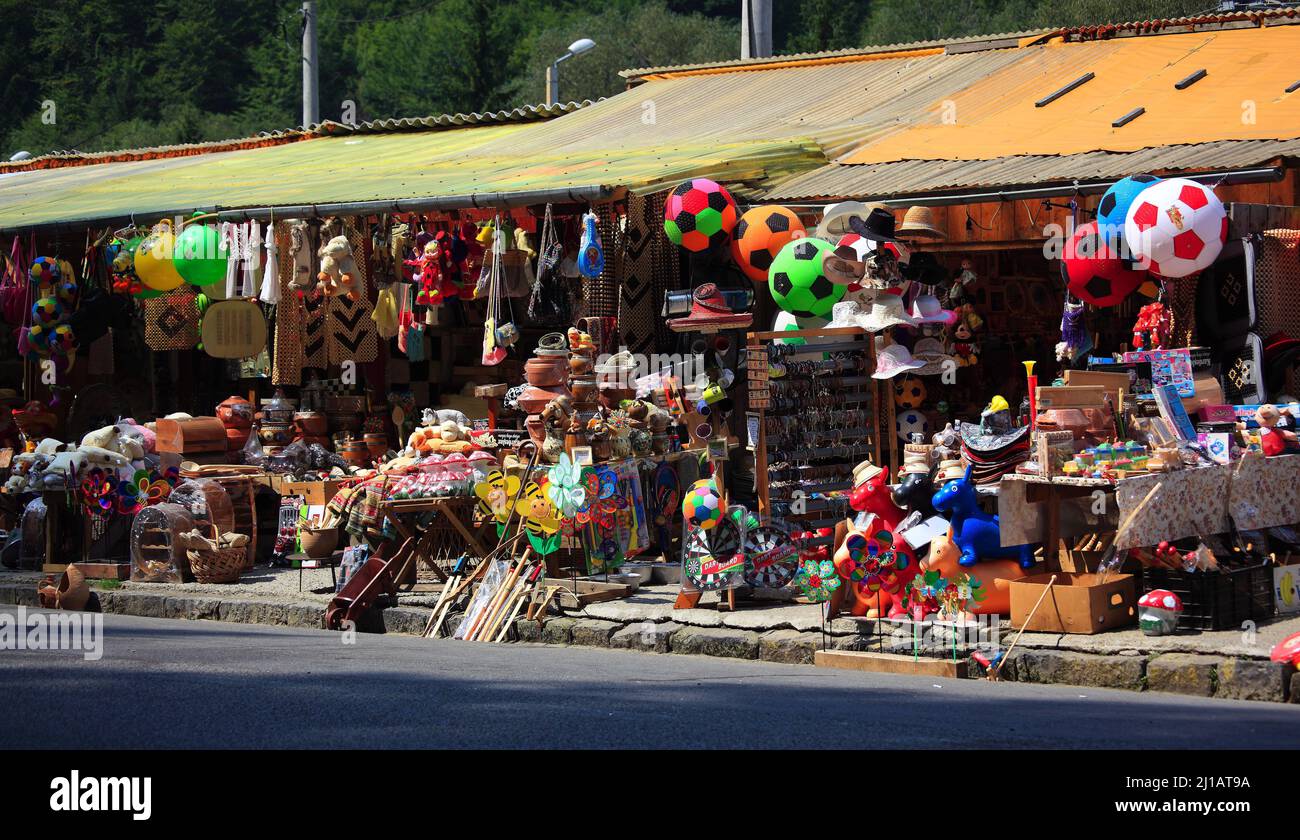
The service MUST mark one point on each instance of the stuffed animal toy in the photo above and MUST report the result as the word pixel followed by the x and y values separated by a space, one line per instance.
pixel 451 437
pixel 338 270
pixel 63 469
pixel 428 273
pixel 975 532
pixel 1272 439
pixel 112 439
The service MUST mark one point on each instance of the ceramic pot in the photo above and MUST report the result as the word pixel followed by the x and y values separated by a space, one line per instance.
pixel 611 397
pixel 235 413
pixel 553 445
pixel 73 591
pixel 318 543
pixel 534 399
pixel 236 438
pixel 545 373
pixel 345 403
pixel 574 439
pixel 275 434
pixel 536 428
pixel 311 423
pixel 581 365
pixel 584 390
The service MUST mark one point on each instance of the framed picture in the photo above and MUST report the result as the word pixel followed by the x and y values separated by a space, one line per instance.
pixel 581 456
pixel 717 449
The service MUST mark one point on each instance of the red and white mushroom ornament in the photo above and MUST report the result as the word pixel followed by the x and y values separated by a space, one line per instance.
pixel 1158 612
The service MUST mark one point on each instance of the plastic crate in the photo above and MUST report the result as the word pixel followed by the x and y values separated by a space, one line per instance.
pixel 1219 600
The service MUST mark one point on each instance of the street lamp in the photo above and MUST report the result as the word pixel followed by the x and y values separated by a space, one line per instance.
pixel 578 47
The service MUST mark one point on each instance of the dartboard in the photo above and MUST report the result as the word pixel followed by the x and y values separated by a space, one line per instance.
pixel 721 541
pixel 760 544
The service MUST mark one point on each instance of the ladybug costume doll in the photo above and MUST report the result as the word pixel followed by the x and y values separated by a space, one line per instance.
pixel 428 273
pixel 1151 332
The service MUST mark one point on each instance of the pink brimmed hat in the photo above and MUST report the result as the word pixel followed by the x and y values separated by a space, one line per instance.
pixel 709 311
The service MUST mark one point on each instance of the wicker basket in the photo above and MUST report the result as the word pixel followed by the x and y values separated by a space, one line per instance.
pixel 220 566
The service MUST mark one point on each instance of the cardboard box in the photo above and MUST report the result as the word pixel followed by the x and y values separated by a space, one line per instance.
pixel 1077 603
pixel 1071 396
pixel 1116 384
pixel 313 492
pixel 1052 450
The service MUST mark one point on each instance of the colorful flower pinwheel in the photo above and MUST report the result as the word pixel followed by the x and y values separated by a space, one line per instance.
pixel 817 580
pixel 565 487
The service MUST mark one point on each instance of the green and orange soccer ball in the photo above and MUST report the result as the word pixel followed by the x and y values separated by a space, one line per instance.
pixel 699 214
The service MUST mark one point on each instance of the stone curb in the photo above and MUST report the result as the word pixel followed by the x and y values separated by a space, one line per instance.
pixel 1201 675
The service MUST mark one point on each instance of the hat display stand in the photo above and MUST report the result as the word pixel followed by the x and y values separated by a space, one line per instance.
pixel 811 423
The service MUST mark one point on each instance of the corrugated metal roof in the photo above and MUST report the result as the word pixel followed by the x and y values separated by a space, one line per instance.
pixel 1240 95
pixel 483 161
pixel 838 105
pixel 328 128
pixel 759 63
pixel 918 177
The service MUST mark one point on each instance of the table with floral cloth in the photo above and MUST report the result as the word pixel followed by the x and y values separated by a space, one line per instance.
pixel 1254 493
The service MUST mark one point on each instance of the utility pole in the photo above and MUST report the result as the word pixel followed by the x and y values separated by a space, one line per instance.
pixel 755 28
pixel 310 68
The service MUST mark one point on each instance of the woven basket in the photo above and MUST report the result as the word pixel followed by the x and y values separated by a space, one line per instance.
pixel 222 565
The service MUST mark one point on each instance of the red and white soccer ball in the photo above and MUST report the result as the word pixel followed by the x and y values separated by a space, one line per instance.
pixel 1178 225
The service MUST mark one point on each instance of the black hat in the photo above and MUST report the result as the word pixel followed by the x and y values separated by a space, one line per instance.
pixel 879 226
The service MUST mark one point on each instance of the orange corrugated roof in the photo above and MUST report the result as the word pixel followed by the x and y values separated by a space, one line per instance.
pixel 1242 97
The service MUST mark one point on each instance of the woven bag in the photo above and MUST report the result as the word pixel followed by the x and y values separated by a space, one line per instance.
pixel 171 321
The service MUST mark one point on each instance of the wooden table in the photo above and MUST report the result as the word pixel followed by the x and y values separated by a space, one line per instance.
pixel 1050 493
pixel 454 510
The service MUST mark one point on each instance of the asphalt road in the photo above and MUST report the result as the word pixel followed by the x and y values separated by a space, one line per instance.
pixel 165 683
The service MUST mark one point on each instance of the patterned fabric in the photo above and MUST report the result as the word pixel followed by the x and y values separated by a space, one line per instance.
pixel 350 331
pixel 1277 290
pixel 287 366
pixel 1180 298
pixel 1207 500
pixel 647 266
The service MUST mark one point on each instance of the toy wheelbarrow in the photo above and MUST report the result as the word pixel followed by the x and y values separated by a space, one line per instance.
pixel 375 576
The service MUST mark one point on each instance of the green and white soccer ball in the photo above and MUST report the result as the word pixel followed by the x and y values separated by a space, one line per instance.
pixel 796 280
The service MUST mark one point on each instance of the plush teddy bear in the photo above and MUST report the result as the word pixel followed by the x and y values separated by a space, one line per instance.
pixel 338 270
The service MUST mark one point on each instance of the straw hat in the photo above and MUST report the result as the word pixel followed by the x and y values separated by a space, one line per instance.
pixel 919 223
pixel 949 471
pixel 864 472
pixel 927 310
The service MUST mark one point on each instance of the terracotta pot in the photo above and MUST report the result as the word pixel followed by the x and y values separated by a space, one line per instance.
pixel 534 399
pixel 545 373
pixel 611 397
pixel 575 439
pixel 73 591
pixel 584 390
pixel 580 365
pixel 235 413
pixel 536 428
pixel 311 423
pixel 318 543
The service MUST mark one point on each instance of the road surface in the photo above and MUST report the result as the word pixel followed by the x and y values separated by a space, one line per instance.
pixel 181 684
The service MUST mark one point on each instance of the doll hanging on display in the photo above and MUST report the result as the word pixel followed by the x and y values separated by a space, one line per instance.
pixel 1151 332
pixel 428 274
pixel 964 347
